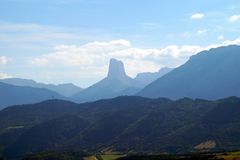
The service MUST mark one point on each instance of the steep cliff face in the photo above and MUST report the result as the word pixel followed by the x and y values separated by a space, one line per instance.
pixel 116 70
pixel 117 83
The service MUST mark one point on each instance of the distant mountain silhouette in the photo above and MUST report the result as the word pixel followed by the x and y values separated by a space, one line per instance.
pixel 210 74
pixel 148 77
pixel 67 89
pixel 15 95
pixel 123 124
pixel 115 84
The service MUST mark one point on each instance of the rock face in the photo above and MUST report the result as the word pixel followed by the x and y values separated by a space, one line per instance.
pixel 210 74
pixel 116 69
pixel 116 83
pixel 148 77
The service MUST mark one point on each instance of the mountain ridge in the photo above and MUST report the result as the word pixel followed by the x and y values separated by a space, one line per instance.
pixel 211 74
pixel 111 86
pixel 148 77
pixel 138 124
pixel 15 95
pixel 65 89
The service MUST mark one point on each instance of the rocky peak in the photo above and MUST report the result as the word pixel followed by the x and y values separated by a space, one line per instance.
pixel 116 69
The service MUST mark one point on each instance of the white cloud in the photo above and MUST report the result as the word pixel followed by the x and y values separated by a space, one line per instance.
pixel 150 25
pixel 4 75
pixel 191 35
pixel 234 42
pixel 3 60
pixel 89 63
pixel 40 61
pixel 93 57
pixel 201 32
pixel 197 16
pixel 28 32
pixel 220 37
pixel 30 35
pixel 234 18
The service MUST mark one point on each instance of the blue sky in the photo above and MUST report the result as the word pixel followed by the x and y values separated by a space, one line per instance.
pixel 72 40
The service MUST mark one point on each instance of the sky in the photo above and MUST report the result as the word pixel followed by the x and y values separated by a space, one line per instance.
pixel 71 41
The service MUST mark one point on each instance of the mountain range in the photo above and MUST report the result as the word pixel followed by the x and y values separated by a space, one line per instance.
pixel 13 95
pixel 211 74
pixel 67 89
pixel 126 124
pixel 149 77
pixel 116 83
pixel 207 120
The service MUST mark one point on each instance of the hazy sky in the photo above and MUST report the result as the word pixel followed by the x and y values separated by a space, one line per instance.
pixel 72 40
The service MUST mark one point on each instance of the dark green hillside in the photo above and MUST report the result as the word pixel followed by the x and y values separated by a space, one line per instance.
pixel 124 124
pixel 29 115
pixel 48 136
